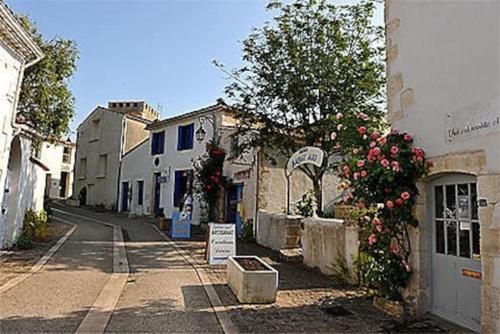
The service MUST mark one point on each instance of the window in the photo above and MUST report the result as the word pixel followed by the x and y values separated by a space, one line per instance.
pixel 140 192
pixel 83 167
pixel 158 143
pixel 95 129
pixel 66 155
pixel 185 137
pixel 103 165
pixel 183 179
pixel 233 145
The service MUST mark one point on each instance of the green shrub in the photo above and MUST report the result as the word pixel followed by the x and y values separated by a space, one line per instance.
pixel 41 225
pixel 247 233
pixel 24 242
pixel 305 206
pixel 363 268
pixel 35 227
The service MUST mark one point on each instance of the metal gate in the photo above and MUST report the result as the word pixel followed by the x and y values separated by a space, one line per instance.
pixel 456 257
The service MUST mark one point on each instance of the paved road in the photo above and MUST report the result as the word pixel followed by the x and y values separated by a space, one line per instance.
pixel 163 292
pixel 57 298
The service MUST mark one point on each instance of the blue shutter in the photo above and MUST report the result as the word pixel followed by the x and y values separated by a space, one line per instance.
pixel 177 188
pixel 190 136
pixel 161 144
pixel 153 144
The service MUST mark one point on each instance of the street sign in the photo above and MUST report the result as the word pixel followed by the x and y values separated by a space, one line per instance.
pixel 306 155
pixel 221 242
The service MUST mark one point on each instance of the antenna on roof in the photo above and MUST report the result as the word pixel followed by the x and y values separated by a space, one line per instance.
pixel 159 108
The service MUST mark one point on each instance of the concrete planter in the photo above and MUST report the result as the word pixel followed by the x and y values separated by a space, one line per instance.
pixel 252 286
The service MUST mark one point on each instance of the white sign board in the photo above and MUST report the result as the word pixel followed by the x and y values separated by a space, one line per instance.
pixel 306 155
pixel 471 121
pixel 221 242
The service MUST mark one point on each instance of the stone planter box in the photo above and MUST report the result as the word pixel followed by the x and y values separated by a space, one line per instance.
pixel 258 285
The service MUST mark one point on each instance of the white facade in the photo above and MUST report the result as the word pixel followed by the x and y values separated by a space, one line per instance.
pixel 59 157
pixel 443 66
pixel 17 176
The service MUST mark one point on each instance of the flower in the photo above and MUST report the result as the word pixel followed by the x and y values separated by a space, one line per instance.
pixel 395 166
pixel 399 201
pixel 333 135
pixel 379 228
pixel 355 176
pixel 377 221
pixel 389 204
pixel 373 144
pixel 355 151
pixel 394 132
pixel 384 162
pixel 394 246
pixel 407 137
pixel 361 205
pixel 382 140
pixel 360 163
pixel 339 115
pixel 406 265
pixel 340 127
pixel 363 173
pixel 372 239
pixel 405 195
pixel 209 187
pixel 363 116
pixel 394 150
pixel 362 130
pixel 375 135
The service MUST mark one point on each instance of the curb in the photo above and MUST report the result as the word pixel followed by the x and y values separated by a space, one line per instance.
pixel 100 312
pixel 43 260
pixel 221 311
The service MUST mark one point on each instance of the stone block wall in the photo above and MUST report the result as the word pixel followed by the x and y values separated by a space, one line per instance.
pixel 278 231
pixel 325 242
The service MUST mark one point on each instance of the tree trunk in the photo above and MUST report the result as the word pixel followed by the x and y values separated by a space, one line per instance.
pixel 318 194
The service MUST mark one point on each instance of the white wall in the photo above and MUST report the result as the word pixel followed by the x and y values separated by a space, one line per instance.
pixel 52 157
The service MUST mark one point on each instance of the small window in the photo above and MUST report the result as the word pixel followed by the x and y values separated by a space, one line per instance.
pixel 233 146
pixel 140 192
pixel 103 165
pixel 95 129
pixel 185 137
pixel 158 143
pixel 83 167
pixel 136 104
pixel 128 104
pixel 66 155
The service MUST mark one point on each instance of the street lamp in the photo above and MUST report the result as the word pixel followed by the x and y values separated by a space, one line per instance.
pixel 200 133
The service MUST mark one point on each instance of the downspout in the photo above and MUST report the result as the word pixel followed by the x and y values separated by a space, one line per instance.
pixel 122 145
pixel 257 185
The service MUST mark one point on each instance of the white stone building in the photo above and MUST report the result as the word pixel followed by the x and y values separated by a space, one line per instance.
pixel 443 67
pixel 156 174
pixel 17 174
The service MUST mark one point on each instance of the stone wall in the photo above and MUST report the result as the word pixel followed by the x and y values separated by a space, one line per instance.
pixel 278 230
pixel 325 242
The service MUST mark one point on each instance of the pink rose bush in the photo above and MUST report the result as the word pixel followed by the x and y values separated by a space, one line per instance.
pixel 380 176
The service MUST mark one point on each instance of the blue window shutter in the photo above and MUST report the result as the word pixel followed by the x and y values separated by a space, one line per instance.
pixel 190 136
pixel 153 144
pixel 161 145
pixel 177 188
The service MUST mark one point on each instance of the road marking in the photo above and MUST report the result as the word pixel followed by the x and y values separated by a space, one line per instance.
pixel 39 265
pixel 220 310
pixel 100 312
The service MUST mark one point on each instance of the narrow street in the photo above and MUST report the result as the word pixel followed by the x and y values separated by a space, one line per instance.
pixel 163 292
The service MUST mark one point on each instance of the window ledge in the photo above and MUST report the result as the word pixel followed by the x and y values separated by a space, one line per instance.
pixel 82 177
pixel 100 176
pixel 93 140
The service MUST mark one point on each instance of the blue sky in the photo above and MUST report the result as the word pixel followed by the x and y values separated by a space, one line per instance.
pixel 154 50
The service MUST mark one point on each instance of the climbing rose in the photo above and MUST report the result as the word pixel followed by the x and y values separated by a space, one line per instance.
pixel 399 202
pixel 360 163
pixel 355 176
pixel 375 135
pixel 377 221
pixel 355 151
pixel 364 173
pixel 361 205
pixel 394 247
pixel 333 135
pixel 395 166
pixel 373 144
pixel 384 162
pixel 405 195
pixel 382 140
pixel 340 127
pixel 339 115
pixel 362 130
pixel 394 150
pixel 407 137
pixel 389 204
pixel 372 239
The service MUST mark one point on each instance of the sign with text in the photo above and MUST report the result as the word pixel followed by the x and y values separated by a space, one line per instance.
pixel 470 122
pixel 306 155
pixel 181 226
pixel 221 242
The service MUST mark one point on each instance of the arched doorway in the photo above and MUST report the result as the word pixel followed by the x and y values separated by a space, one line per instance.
pixel 12 193
pixel 456 257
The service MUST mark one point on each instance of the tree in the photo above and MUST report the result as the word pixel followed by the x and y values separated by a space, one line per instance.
pixel 46 102
pixel 309 79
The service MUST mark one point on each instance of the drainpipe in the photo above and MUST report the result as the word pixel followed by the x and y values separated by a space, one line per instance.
pixel 122 145
pixel 257 184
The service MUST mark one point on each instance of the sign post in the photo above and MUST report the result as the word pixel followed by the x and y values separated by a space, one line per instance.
pixel 221 242
pixel 305 155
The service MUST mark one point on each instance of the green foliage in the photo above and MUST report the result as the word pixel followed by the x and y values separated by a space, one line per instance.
pixel 247 233
pixel 341 270
pixel 363 264
pixel 305 206
pixel 47 206
pixel 35 227
pixel 380 177
pixel 46 101
pixel 208 177
pixel 306 79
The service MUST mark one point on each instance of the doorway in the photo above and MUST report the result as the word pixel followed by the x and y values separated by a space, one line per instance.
pixel 156 193
pixel 234 195
pixel 125 196
pixel 456 256
pixel 63 183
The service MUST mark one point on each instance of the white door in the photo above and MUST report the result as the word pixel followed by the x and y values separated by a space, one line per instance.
pixel 456 258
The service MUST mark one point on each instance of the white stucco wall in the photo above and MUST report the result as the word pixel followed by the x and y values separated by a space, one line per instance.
pixel 52 156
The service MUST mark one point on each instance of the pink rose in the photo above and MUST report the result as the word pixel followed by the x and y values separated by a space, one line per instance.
pixel 399 202
pixel 394 132
pixel 382 141
pixel 363 173
pixel 377 221
pixel 375 135
pixel 384 162
pixel 405 195
pixel 389 204
pixel 361 205
pixel 363 116
pixel 407 137
pixel 355 151
pixel 339 115
pixel 360 163
pixel 394 247
pixel 362 130
pixel 379 228
pixel 395 166
pixel 355 176
pixel 394 150
pixel 372 239
pixel 376 151
pixel 340 127
pixel 373 144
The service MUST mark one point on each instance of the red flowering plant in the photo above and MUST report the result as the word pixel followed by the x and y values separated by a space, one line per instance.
pixel 209 178
pixel 379 176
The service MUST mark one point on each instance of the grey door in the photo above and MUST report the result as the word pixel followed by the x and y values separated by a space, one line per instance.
pixel 456 258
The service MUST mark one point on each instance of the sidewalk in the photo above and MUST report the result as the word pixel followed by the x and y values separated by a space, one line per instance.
pixel 308 301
